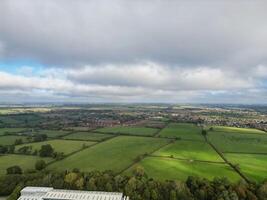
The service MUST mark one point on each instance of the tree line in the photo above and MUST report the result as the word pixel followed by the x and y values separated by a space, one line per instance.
pixel 137 186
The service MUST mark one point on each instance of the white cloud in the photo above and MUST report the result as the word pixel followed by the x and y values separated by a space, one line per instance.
pixel 140 82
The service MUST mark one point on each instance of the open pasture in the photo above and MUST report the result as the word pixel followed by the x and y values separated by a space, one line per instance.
pixel 234 142
pixel 65 146
pixel 167 168
pixel 53 133
pixel 190 150
pixel 87 136
pixel 251 165
pixel 129 130
pixel 115 154
pixel 226 129
pixel 25 162
pixel 10 139
pixel 4 131
pixel 183 131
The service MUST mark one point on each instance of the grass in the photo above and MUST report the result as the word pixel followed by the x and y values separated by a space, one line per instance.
pixel 114 154
pixel 167 168
pixel 129 130
pixel 253 166
pixel 53 133
pixel 65 146
pixel 10 139
pixel 4 131
pixel 237 130
pixel 88 136
pixel 25 162
pixel 189 150
pixel 234 142
pixel 183 131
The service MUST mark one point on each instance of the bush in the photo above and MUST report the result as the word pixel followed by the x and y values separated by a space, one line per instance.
pixel 40 164
pixel 14 170
pixel 46 150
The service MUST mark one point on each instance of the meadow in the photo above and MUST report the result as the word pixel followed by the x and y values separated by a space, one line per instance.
pixel 174 151
pixel 169 169
pixel 239 142
pixel 88 136
pixel 143 131
pixel 114 154
pixel 190 150
pixel 65 146
pixel 25 162
pixel 252 165
pixel 182 131
pixel 10 139
pixel 53 133
pixel 4 131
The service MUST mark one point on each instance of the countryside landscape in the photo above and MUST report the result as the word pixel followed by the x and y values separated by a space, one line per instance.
pixel 164 142
pixel 133 100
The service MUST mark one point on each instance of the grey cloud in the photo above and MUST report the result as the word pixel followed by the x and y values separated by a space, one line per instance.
pixel 70 33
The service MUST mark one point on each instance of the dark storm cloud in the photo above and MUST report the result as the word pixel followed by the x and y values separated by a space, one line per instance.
pixel 190 33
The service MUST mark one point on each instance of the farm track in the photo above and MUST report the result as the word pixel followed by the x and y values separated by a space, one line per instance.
pixel 226 161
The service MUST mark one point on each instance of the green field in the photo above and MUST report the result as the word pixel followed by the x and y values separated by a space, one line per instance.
pixel 237 130
pixel 183 131
pixel 4 131
pixel 25 162
pixel 167 168
pixel 189 150
pixel 88 136
pixel 129 130
pixel 65 146
pixel 235 142
pixel 253 166
pixel 53 133
pixel 10 139
pixel 114 154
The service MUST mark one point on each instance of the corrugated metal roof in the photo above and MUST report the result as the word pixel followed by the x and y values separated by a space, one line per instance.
pixel 44 193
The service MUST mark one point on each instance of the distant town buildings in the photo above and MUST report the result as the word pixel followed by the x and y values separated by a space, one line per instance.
pixel 49 193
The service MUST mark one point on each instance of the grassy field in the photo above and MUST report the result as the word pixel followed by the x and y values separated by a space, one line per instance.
pixel 183 131
pixel 129 130
pixel 237 130
pixel 53 133
pixel 10 139
pixel 65 146
pixel 4 131
pixel 189 150
pixel 114 154
pixel 88 136
pixel 167 168
pixel 253 166
pixel 234 142
pixel 25 162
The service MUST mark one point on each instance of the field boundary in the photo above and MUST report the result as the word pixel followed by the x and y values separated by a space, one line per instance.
pixel 72 153
pixel 143 157
pixel 226 161
pixel 188 159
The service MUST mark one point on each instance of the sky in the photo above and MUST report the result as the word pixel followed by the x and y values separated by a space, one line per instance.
pixel 171 51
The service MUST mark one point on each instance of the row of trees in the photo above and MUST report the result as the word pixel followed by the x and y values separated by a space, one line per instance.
pixel 137 187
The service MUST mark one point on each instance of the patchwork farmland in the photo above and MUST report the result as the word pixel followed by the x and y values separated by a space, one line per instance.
pixel 165 151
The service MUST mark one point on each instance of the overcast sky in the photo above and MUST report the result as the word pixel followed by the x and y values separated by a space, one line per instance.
pixel 133 51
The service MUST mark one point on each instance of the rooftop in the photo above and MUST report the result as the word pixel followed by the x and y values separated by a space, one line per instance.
pixel 48 193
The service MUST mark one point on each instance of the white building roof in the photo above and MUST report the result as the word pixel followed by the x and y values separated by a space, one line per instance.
pixel 46 193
